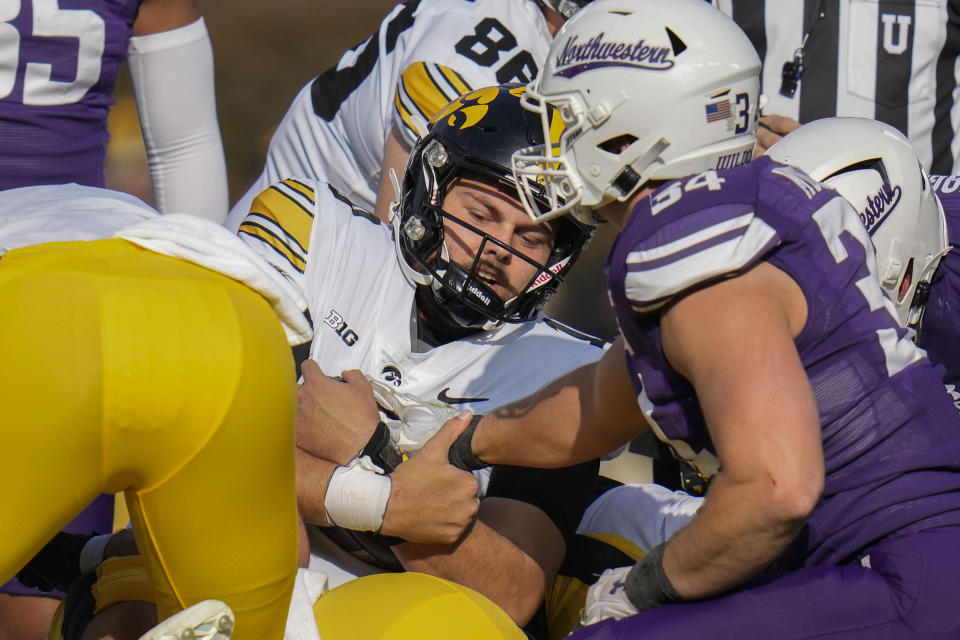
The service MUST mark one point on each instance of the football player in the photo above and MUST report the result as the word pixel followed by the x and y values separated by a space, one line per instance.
pixel 59 69
pixel 353 123
pixel 758 344
pixel 54 127
pixel 131 371
pixel 440 312
pixel 908 216
pixel 56 90
pixel 869 164
pixel 874 167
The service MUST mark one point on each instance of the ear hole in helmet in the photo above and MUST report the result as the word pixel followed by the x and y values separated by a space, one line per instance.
pixel 617 144
pixel 905 283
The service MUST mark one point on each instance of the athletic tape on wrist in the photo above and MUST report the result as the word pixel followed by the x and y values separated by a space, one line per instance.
pixel 461 453
pixel 357 495
pixel 647 585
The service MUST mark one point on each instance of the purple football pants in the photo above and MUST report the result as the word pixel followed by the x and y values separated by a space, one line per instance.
pixel 910 591
pixel 97 518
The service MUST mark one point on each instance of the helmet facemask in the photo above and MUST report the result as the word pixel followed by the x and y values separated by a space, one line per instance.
pixel 466 292
pixel 549 186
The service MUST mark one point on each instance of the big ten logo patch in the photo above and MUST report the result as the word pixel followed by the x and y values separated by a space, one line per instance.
pixel 336 322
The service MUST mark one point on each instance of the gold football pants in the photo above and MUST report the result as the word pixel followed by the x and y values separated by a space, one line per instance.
pixel 124 370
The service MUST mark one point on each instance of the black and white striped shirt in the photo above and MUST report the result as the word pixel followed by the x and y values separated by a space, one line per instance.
pixel 892 60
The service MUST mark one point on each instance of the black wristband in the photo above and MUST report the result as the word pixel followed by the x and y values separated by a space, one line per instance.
pixel 381 450
pixel 647 586
pixel 461 453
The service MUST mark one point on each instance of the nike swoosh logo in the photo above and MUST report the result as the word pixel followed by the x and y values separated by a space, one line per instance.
pixel 443 397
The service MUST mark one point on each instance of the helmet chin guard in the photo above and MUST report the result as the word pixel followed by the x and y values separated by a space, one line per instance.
pixel 474 136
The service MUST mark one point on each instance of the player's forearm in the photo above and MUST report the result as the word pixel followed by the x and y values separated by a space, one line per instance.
pixel 313 474
pixel 581 416
pixel 739 532
pixel 542 431
pixel 172 77
pixel 486 562
pixel 155 16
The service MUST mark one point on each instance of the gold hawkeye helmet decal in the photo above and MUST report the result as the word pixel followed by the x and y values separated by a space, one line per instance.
pixel 471 108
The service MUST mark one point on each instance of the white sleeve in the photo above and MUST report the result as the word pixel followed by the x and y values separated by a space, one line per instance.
pixel 172 74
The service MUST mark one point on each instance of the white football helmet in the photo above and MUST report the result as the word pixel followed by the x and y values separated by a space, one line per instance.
pixel 647 90
pixel 874 167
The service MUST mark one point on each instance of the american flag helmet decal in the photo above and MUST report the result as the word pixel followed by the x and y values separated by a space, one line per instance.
pixel 719 110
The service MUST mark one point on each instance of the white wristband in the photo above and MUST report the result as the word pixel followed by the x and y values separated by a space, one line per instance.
pixel 357 495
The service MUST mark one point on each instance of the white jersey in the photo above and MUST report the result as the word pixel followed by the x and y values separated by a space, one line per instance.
pixel 344 260
pixel 56 213
pixel 361 303
pixel 425 54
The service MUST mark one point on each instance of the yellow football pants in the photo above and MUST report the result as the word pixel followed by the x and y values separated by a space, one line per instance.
pixel 124 370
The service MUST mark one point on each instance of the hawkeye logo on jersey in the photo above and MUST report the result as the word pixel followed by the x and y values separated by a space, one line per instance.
pixel 392 374
pixel 596 52
pixel 879 206
pixel 336 322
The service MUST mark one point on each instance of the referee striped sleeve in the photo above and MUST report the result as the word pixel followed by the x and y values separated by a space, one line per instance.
pixel 727 239
pixel 281 217
pixel 944 136
pixel 424 88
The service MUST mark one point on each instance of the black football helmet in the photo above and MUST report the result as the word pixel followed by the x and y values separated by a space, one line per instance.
pixel 477 133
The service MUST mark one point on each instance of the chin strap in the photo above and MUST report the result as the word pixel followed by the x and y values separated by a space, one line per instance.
pixel 922 290
pixel 395 203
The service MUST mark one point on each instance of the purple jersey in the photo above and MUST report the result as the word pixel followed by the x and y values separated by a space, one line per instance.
pixel 941 318
pixel 58 64
pixel 891 436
